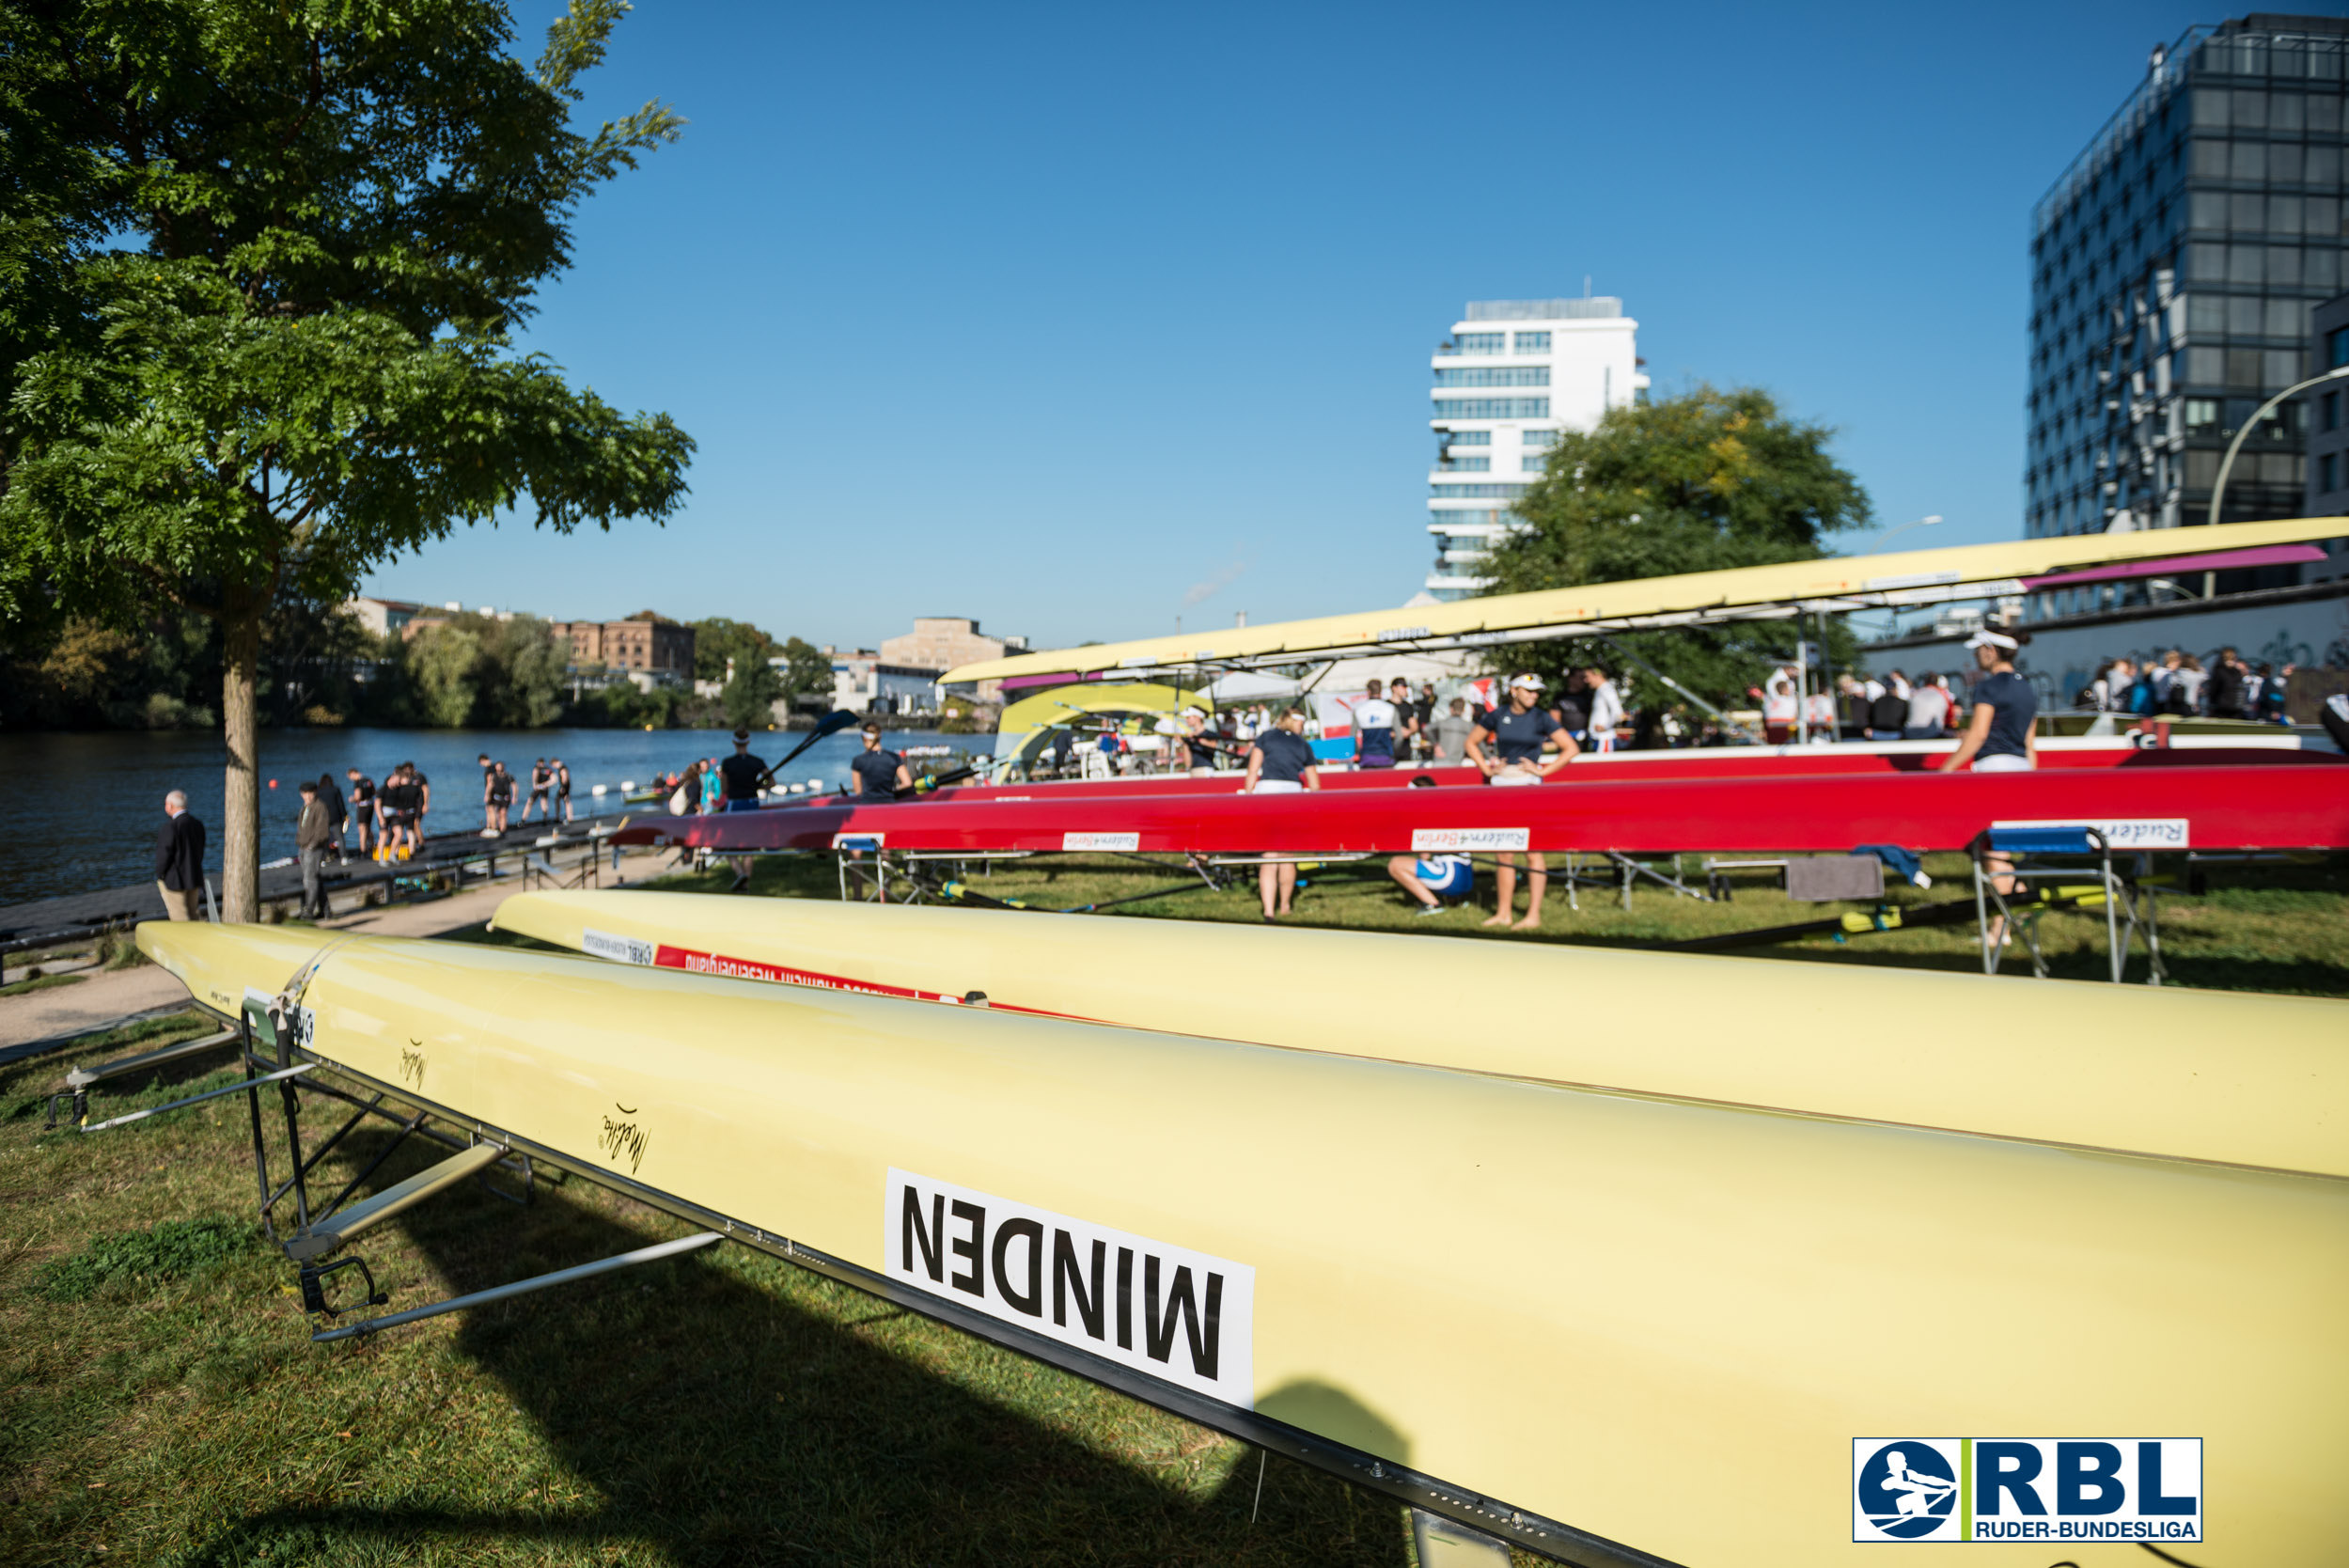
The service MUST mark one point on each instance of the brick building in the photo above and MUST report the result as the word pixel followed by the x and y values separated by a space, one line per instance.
pixel 940 642
pixel 644 642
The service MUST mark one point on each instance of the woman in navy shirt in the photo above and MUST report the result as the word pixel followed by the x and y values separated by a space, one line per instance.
pixel 1999 735
pixel 1517 733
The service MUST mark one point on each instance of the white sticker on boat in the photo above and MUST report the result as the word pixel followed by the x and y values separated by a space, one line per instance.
pixel 1100 840
pixel 620 950
pixel 2123 833
pixel 859 841
pixel 1462 839
pixel 1166 1312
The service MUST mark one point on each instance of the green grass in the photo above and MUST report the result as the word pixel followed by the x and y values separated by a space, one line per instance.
pixel 721 1409
pixel 40 982
pixel 2275 927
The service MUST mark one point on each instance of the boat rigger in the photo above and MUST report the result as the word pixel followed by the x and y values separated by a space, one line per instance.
pixel 1612 1327
pixel 2259 807
pixel 2199 1075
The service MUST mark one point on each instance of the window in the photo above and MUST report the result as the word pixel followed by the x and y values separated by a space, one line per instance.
pixel 2329 412
pixel 2337 348
pixel 2202 415
pixel 1496 375
pixel 1492 408
pixel 1533 462
pixel 1466 464
pixel 1533 342
pixel 1465 438
pixel 2328 473
pixel 1543 439
pixel 1475 491
pixel 1480 342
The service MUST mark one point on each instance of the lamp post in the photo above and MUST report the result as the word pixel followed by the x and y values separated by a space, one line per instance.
pixel 1893 533
pixel 2218 490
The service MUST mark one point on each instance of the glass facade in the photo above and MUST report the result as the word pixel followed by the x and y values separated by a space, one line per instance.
pixel 1475 491
pixel 2174 268
pixel 1496 375
pixel 1480 342
pixel 1492 408
pixel 1533 342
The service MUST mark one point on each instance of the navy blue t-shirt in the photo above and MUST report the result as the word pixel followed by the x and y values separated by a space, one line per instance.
pixel 877 772
pixel 1285 755
pixel 1520 734
pixel 2013 707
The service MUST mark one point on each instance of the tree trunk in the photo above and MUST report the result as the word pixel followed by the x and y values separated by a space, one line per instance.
pixel 241 826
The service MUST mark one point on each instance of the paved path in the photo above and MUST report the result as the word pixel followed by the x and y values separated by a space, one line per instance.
pixel 39 1019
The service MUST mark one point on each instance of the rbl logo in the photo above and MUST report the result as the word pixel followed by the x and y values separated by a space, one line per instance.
pixel 2144 1489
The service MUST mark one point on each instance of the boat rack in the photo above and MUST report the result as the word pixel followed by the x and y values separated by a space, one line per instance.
pixel 2050 854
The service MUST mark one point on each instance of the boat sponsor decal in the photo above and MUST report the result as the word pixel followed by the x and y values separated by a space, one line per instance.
pixel 619 949
pixel 1166 1312
pixel 622 1139
pixel 859 841
pixel 2146 1490
pixel 1911 580
pixel 2121 833
pixel 1458 841
pixel 1398 633
pixel 666 957
pixel 1100 840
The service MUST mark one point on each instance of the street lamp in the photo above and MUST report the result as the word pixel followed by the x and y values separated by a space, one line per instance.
pixel 1893 533
pixel 2218 490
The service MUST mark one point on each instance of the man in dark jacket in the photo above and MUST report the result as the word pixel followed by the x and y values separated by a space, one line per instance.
pixel 179 858
pixel 311 836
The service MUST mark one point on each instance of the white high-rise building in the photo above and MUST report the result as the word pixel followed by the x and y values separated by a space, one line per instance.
pixel 1512 376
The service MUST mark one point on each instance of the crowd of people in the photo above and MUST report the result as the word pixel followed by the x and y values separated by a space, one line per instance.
pixel 2176 684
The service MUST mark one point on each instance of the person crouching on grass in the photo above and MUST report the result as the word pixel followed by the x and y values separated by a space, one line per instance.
pixel 1281 763
pixel 1517 733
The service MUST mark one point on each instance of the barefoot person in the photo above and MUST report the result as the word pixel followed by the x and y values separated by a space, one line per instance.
pixel 2000 733
pixel 1515 735
pixel 1281 763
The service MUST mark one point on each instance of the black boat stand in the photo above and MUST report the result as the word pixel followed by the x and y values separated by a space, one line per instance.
pixel 314 1240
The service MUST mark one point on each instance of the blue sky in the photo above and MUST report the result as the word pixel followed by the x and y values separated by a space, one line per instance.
pixel 1079 319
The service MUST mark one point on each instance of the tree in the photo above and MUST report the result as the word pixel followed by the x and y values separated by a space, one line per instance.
pixel 304 365
pixel 806 668
pixel 1702 482
pixel 750 697
pixel 441 663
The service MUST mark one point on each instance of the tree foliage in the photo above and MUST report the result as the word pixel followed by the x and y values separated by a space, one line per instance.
pixel 270 258
pixel 1706 481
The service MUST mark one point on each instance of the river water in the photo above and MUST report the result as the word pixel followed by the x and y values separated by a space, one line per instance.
pixel 78 812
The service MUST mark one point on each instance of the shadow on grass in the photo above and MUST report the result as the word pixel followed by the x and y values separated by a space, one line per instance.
pixel 729 1408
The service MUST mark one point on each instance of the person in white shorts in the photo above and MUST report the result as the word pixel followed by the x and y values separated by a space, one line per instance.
pixel 2000 733
pixel 1516 734
pixel 1281 763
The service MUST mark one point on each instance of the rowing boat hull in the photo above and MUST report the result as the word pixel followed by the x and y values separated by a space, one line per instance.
pixel 2204 1075
pixel 1661 1323
pixel 2259 807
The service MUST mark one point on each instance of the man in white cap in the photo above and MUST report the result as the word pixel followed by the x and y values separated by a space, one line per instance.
pixel 1517 733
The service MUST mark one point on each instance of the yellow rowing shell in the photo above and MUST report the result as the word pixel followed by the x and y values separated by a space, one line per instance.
pixel 2249 1080
pixel 1661 1323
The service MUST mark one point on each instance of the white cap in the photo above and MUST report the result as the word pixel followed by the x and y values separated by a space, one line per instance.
pixel 1194 712
pixel 1526 683
pixel 1988 639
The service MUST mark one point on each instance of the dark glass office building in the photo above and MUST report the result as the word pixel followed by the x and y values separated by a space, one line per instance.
pixel 2174 268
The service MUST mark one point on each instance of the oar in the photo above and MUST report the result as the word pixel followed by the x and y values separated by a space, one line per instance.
pixel 923 785
pixel 831 723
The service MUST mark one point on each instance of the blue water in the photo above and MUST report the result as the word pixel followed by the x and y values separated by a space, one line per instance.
pixel 78 812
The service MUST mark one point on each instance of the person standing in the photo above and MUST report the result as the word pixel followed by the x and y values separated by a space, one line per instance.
pixel 1281 763
pixel 881 773
pixel 1887 715
pixel 1452 732
pixel 422 786
pixel 2227 686
pixel 1517 733
pixel 387 800
pixel 562 787
pixel 1606 710
pixel 179 858
pixel 363 810
pixel 542 780
pixel 1780 707
pixel 740 773
pixel 1375 729
pixel 2000 733
pixel 2185 687
pixel 498 799
pixel 337 817
pixel 1193 749
pixel 2275 695
pixel 312 833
